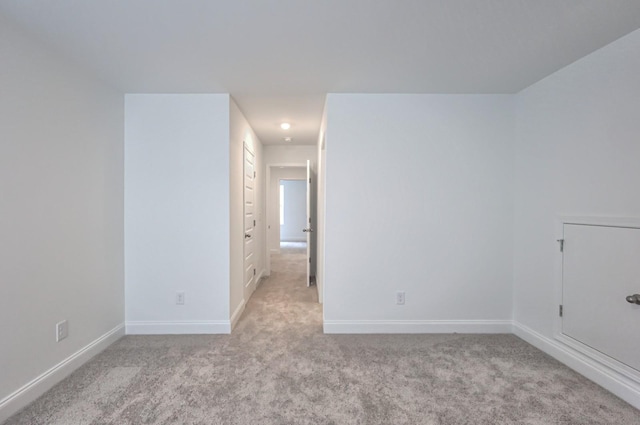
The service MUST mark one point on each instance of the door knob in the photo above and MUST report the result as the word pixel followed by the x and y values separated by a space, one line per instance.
pixel 308 229
pixel 246 235
pixel 634 299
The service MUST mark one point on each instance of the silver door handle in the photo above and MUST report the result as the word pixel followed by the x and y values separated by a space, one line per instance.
pixel 246 235
pixel 634 299
pixel 308 229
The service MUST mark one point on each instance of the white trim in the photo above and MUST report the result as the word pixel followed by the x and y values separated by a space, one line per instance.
pixel 602 374
pixel 42 383
pixel 178 327
pixel 599 357
pixel 415 326
pixel 612 221
pixel 240 309
pixel 261 275
pixel 236 314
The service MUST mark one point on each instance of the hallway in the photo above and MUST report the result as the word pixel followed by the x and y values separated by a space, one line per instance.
pixel 283 301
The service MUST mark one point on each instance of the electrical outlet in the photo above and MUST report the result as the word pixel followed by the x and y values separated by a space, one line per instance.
pixel 62 330
pixel 180 297
pixel 400 297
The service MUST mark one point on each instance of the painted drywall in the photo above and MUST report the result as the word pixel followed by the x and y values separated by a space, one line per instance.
pixel 577 154
pixel 419 199
pixel 273 202
pixel 61 219
pixel 177 212
pixel 241 133
pixel 295 211
pixel 320 202
pixel 289 154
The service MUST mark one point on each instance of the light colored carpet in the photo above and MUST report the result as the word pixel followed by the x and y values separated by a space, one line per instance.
pixel 278 368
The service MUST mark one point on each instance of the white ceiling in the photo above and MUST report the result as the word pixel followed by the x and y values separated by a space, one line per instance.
pixel 279 58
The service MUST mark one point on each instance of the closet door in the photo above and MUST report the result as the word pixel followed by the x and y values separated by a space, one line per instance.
pixel 600 275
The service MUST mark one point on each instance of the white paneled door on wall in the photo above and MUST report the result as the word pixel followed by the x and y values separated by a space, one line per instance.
pixel 249 222
pixel 601 273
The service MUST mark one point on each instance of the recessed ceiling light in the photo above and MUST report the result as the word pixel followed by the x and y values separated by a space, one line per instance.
pixel 285 126
pixel 288 139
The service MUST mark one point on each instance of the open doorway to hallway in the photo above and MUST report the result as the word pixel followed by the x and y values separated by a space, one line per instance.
pixel 288 219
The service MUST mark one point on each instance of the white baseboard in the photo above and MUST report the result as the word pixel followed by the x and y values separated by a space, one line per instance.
pixel 178 327
pixel 42 383
pixel 236 314
pixel 240 309
pixel 610 379
pixel 415 326
pixel 262 274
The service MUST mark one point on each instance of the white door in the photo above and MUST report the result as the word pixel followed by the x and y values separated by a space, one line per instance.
pixel 249 222
pixel 601 270
pixel 308 229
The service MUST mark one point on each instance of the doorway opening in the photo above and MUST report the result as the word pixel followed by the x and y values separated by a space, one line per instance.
pixel 290 218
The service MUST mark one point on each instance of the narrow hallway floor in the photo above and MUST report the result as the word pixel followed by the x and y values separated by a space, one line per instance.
pixel 283 302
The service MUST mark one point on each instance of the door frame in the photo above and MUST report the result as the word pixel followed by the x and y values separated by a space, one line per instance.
pixel 602 362
pixel 309 224
pixel 268 205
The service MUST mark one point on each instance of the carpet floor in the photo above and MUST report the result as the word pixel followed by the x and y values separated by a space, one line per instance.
pixel 277 367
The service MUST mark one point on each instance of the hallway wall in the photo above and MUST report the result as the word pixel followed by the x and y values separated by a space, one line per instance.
pixel 241 133
pixel 289 154
pixel 177 213
pixel 320 199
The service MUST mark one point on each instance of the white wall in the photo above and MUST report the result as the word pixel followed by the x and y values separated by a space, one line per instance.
pixel 289 154
pixel 295 211
pixel 61 216
pixel 241 133
pixel 177 213
pixel 419 199
pixel 577 153
pixel 320 202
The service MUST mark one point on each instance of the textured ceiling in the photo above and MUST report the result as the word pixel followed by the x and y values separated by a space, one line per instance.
pixel 279 58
